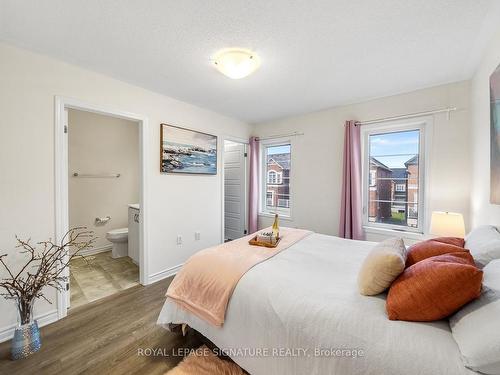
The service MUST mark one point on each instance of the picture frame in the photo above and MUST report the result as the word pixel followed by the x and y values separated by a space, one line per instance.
pixel 186 151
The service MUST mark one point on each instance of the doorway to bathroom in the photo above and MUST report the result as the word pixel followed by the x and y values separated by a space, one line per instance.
pixel 100 183
pixel 103 196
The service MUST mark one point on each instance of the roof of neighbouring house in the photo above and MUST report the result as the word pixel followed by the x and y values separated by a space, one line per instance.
pixel 399 173
pixel 412 161
pixel 379 164
pixel 282 159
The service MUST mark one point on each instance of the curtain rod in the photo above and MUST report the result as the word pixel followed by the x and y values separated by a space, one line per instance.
pixel 294 134
pixel 410 115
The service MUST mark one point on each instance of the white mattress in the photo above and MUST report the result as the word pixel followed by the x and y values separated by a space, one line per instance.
pixel 305 298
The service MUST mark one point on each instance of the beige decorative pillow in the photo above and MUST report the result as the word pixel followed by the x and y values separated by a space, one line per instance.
pixel 384 263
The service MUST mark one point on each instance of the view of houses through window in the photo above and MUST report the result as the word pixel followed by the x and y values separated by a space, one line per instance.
pixel 393 191
pixel 277 178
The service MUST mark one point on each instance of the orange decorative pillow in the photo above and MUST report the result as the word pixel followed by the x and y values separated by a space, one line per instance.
pixel 434 288
pixel 436 246
pixel 457 241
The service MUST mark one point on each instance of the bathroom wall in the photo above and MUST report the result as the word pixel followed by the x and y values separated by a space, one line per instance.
pixel 102 145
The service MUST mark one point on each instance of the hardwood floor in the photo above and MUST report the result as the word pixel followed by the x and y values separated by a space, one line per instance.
pixel 104 337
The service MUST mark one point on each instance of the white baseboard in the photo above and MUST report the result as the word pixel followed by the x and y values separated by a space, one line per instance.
pixel 7 333
pixel 164 274
pixel 95 250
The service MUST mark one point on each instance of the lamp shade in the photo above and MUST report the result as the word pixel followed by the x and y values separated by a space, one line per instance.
pixel 447 224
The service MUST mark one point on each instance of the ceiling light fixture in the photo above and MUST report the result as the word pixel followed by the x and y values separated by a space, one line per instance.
pixel 236 63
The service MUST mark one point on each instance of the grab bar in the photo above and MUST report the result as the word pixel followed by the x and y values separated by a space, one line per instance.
pixel 111 175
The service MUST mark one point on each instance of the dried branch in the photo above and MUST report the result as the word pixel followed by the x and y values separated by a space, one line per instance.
pixel 48 265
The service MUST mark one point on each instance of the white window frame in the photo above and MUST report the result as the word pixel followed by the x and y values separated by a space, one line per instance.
pixel 424 125
pixel 372 178
pixel 283 200
pixel 279 178
pixel 272 196
pixel 269 182
pixel 401 189
pixel 263 211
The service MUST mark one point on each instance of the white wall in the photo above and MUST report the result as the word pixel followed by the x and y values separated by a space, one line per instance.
pixel 482 211
pixel 317 155
pixel 178 204
pixel 102 144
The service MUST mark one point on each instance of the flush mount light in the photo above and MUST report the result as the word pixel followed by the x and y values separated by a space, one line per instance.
pixel 236 63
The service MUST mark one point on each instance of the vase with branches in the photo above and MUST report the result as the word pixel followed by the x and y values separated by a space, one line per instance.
pixel 45 266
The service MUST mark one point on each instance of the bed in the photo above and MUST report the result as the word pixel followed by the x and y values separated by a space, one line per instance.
pixel 300 312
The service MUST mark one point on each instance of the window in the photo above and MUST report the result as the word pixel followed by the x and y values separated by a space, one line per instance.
pixel 393 176
pixel 373 177
pixel 276 184
pixel 269 198
pixel 271 177
pixel 284 203
pixel 400 188
pixel 274 177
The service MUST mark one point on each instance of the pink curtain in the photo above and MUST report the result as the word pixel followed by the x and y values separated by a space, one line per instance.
pixel 351 211
pixel 253 191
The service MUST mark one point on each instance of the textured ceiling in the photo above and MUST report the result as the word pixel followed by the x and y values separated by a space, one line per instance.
pixel 315 53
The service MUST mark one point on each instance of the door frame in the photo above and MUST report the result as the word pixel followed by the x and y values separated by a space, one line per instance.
pixel 61 104
pixel 247 173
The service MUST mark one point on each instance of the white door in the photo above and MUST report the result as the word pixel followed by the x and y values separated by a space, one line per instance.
pixel 235 188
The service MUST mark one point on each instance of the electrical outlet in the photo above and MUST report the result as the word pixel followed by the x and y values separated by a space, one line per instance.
pixel 179 239
pixel 197 236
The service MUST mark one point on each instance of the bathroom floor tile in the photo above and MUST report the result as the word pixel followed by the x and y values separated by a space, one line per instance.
pixel 96 276
pixel 77 296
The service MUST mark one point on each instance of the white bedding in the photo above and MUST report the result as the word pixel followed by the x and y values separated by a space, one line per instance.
pixel 306 298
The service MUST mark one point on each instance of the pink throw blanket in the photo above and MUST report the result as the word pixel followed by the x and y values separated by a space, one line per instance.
pixel 206 282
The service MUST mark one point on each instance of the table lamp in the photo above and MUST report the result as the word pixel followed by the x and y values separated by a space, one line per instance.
pixel 447 224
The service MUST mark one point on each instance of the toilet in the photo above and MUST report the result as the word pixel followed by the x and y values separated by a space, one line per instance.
pixel 119 239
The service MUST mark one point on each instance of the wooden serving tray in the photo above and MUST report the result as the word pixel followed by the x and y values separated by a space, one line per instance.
pixel 254 242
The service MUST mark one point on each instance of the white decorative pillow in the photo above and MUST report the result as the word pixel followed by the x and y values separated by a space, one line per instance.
pixel 484 244
pixel 476 327
pixel 382 266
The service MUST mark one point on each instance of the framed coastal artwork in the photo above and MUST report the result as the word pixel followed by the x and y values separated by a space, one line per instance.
pixel 495 136
pixel 185 151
